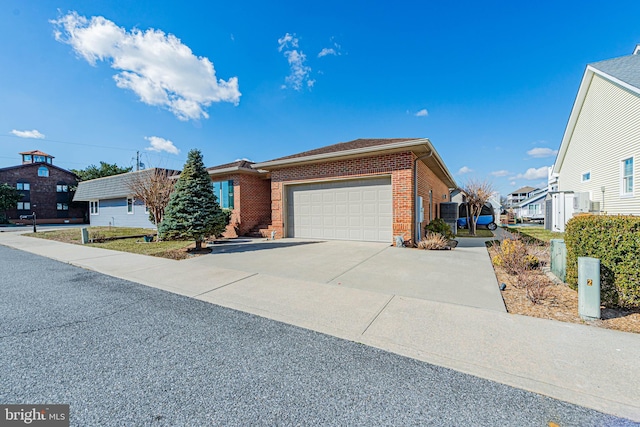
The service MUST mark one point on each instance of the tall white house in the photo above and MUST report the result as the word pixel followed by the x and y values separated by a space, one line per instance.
pixel 597 163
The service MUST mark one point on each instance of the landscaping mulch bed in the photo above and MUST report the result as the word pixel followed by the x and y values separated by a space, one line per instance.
pixel 561 303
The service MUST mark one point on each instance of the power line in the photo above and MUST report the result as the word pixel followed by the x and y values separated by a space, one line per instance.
pixel 70 143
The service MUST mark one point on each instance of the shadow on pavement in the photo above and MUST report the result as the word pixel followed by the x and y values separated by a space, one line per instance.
pixel 231 248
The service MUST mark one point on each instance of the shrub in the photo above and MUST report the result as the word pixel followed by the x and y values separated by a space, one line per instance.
pixel 535 284
pixel 615 240
pixel 515 257
pixel 439 226
pixel 434 241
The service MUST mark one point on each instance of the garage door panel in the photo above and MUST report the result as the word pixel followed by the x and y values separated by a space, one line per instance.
pixel 369 208
pixel 342 221
pixel 355 196
pixel 349 210
pixel 370 221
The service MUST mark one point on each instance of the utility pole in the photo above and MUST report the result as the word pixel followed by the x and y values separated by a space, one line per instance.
pixel 137 160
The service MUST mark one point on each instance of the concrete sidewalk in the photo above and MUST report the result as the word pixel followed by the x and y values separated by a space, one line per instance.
pixel 588 366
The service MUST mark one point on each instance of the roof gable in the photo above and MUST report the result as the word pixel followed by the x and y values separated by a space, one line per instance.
pixel 357 148
pixel 623 72
pixel 345 146
pixel 625 69
pixel 37 165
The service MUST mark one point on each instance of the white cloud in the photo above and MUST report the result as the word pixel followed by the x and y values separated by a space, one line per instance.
pixel 540 152
pixel 300 72
pixel 502 172
pixel 335 50
pixel 155 66
pixel 464 170
pixel 533 173
pixel 28 134
pixel 327 51
pixel 160 144
pixel 422 113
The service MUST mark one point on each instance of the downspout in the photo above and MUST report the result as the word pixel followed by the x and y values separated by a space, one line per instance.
pixel 416 230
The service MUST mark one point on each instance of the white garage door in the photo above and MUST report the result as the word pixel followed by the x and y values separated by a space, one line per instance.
pixel 359 209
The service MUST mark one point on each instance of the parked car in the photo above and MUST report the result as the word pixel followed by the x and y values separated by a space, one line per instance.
pixel 487 217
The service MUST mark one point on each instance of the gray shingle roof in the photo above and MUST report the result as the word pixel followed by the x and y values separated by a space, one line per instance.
pixel 343 146
pixel 625 68
pixel 109 187
pixel 242 164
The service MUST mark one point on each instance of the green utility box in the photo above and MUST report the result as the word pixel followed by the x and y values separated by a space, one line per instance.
pixel 589 288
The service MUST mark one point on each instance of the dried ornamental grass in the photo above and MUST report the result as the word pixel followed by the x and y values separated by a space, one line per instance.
pixel 433 241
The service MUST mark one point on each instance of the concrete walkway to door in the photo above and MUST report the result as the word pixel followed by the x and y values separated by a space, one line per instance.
pixel 462 276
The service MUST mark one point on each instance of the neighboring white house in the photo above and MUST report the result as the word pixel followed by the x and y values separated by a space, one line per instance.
pixel 111 203
pixel 597 165
pixel 532 208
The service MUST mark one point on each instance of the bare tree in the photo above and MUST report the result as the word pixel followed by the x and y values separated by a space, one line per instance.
pixel 154 188
pixel 477 193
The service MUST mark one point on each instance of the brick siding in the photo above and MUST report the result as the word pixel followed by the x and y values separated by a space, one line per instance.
pixel 398 165
pixel 43 195
pixel 251 203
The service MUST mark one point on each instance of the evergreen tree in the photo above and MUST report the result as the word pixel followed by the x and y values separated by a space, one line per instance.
pixel 193 211
pixel 9 196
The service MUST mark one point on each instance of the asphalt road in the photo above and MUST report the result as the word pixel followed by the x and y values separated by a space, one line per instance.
pixel 123 354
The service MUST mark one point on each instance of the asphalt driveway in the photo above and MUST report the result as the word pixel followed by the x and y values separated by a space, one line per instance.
pixel 462 276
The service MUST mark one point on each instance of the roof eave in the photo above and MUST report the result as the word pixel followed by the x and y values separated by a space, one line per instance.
pixel 412 145
pixel 344 154
pixel 233 169
pixel 577 107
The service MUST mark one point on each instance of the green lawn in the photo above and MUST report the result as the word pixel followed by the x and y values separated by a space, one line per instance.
pixel 480 232
pixel 139 246
pixel 72 235
pixel 136 245
pixel 539 233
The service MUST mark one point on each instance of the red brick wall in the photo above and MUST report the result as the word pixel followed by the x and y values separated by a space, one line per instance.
pixel 43 195
pixel 255 199
pixel 251 203
pixel 399 166
pixel 427 180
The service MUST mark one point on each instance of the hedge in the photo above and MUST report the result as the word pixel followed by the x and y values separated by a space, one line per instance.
pixel 615 240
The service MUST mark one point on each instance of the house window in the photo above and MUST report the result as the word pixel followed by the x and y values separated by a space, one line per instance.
pixel 129 205
pixel 62 188
pixel 586 177
pixel 24 206
pixel 94 207
pixel 26 158
pixel 43 171
pixel 23 186
pixel 38 159
pixel 224 192
pixel 627 176
pixel 62 206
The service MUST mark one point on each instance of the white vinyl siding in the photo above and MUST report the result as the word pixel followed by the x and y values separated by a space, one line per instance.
pixel 607 131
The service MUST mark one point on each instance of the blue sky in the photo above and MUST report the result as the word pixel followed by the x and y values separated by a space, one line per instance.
pixel 491 84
